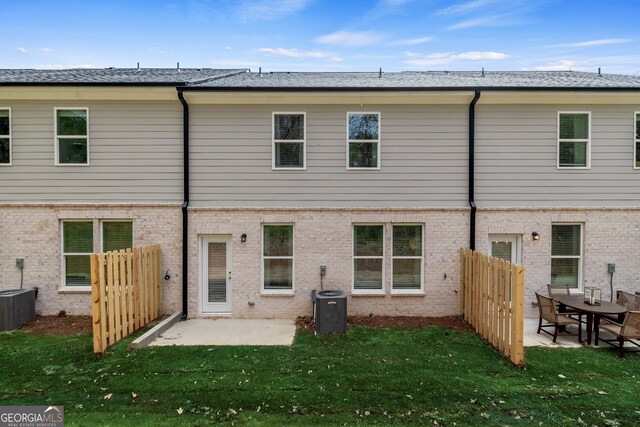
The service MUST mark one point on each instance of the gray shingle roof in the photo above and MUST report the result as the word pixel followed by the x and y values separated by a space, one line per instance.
pixel 426 79
pixel 229 79
pixel 113 76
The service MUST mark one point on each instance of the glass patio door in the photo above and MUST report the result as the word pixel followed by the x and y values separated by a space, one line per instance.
pixel 216 274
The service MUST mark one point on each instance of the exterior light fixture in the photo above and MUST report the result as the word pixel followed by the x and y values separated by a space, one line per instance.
pixel 243 238
pixel 535 235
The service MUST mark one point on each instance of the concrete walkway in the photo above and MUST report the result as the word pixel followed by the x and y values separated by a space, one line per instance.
pixel 229 332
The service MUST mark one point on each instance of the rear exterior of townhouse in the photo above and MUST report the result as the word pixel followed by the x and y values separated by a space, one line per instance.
pixel 380 178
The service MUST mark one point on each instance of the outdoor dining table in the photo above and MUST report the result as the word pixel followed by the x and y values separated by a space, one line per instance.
pixel 593 312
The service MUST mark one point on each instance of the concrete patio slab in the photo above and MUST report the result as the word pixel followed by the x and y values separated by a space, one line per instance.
pixel 229 332
pixel 533 339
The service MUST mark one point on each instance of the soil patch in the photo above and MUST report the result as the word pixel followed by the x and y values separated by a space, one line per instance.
pixel 61 325
pixel 411 322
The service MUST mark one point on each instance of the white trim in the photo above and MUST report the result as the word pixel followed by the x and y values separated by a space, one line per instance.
pixel 303 141
pixel 377 141
pixel 57 137
pixel 102 221
pixel 207 308
pixel 63 254
pixel 10 138
pixel 382 257
pixel 636 141
pixel 578 257
pixel 292 258
pixel 395 291
pixel 588 141
pixel 514 239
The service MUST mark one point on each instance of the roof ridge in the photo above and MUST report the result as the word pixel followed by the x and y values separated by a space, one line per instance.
pixel 211 78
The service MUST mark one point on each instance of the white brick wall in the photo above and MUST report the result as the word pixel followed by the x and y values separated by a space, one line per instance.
pixel 34 233
pixel 323 237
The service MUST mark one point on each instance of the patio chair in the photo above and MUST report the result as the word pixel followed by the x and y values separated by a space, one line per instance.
pixel 549 313
pixel 628 331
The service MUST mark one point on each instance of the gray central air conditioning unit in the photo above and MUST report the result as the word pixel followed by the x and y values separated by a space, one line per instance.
pixel 17 307
pixel 331 312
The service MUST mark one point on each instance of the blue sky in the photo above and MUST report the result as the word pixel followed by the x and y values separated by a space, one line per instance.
pixel 324 35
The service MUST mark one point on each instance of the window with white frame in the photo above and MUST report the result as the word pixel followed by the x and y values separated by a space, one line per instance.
pixel 368 257
pixel 72 136
pixel 407 257
pixel 117 235
pixel 289 149
pixel 77 246
pixel 574 138
pixel 637 141
pixel 363 140
pixel 277 257
pixel 566 255
pixel 5 136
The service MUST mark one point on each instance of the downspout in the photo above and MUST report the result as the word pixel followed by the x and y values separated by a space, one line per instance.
pixel 185 204
pixel 472 171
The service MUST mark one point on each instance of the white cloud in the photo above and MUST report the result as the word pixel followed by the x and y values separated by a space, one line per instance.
pixel 350 39
pixel 295 53
pixel 562 65
pixel 410 54
pixel 600 42
pixel 46 49
pixel 410 42
pixel 480 22
pixel 462 8
pixel 269 10
pixel 447 58
pixel 21 49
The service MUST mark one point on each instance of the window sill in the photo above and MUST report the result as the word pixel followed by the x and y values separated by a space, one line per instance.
pixel 416 293
pixel 356 293
pixel 78 290
pixel 290 293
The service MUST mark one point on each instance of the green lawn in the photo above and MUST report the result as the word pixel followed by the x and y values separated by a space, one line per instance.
pixel 368 376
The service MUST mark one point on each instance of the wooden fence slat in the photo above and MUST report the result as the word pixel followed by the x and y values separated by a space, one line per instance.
pixel 123 293
pixel 130 300
pixel 116 296
pixel 95 303
pixel 110 298
pixel 102 262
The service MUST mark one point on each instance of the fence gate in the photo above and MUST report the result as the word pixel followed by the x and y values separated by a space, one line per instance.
pixel 126 293
pixel 492 301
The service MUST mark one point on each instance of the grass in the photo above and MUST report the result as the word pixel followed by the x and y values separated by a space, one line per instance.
pixel 368 376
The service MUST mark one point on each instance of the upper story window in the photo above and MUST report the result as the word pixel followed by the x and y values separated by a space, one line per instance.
pixel 72 136
pixel 574 136
pixel 277 257
pixel 5 136
pixel 636 164
pixel 363 140
pixel 289 148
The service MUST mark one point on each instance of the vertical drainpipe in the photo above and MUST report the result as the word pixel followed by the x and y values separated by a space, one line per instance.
pixel 185 204
pixel 472 171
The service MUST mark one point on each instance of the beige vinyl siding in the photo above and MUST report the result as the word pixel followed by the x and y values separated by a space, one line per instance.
pixel 423 158
pixel 516 158
pixel 135 153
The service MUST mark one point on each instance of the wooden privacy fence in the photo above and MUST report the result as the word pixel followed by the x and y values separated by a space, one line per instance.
pixel 492 301
pixel 126 292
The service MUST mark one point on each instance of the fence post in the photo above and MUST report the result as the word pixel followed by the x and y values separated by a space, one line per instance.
pixel 517 326
pixel 96 302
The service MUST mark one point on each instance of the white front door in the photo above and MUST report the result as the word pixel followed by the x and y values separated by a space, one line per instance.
pixel 215 277
pixel 505 246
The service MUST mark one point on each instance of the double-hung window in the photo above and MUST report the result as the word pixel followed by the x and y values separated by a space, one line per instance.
pixel 289 148
pixel 368 258
pixel 5 137
pixel 77 245
pixel 277 257
pixel 636 163
pixel 574 136
pixel 566 255
pixel 363 140
pixel 72 136
pixel 407 257
pixel 117 235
